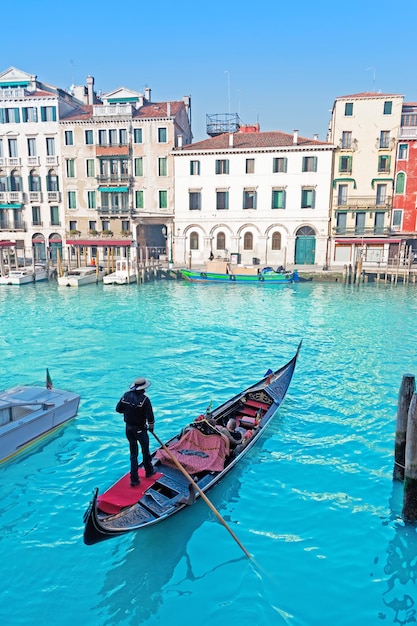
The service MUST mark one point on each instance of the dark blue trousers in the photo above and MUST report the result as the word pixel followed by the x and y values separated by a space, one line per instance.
pixel 134 435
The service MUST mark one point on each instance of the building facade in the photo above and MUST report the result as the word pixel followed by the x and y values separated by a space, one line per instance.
pixel 256 197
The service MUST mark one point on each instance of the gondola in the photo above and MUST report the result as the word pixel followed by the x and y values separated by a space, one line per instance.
pixel 189 464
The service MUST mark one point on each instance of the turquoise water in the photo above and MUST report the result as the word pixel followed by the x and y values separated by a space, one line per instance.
pixel 314 503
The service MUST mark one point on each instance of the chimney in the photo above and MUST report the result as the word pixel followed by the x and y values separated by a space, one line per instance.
pixel 316 136
pixel 295 138
pixel 179 141
pixel 148 93
pixel 90 90
pixel 168 109
pixel 230 140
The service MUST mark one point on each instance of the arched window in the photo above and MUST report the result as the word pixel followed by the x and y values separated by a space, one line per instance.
pixel 52 181
pixel 248 241
pixel 194 241
pixel 276 241
pixel 305 231
pixel 221 241
pixel 400 183
pixel 34 181
pixel 3 181
pixel 15 181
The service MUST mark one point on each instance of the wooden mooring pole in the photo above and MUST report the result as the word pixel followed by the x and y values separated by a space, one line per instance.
pixel 410 472
pixel 407 390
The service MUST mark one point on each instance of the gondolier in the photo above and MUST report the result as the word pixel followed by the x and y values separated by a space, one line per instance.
pixel 138 415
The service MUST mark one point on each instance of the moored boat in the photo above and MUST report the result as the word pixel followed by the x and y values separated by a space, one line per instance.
pixel 80 276
pixel 223 272
pixel 125 273
pixel 30 413
pixel 200 451
pixel 25 275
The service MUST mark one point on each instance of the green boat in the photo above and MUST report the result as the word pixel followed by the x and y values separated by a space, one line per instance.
pixel 239 274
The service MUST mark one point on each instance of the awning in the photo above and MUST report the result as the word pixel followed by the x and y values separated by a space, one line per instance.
pixel 344 180
pixel 359 241
pixel 38 240
pixel 96 243
pixel 11 206
pixel 7 244
pixel 113 189
pixel 381 180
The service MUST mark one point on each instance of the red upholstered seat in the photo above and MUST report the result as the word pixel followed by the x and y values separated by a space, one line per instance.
pixel 258 405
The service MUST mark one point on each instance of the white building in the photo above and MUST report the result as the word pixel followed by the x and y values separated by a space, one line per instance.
pixel 255 197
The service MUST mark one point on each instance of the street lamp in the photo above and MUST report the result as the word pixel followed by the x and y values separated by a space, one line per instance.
pixel 167 233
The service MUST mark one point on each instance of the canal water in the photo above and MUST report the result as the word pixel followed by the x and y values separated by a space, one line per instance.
pixel 314 503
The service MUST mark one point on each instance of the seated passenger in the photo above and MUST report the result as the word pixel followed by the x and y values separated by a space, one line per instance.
pixel 234 436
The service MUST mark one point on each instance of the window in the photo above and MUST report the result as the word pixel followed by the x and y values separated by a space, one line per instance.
pixel 278 199
pixel 92 225
pixel 194 200
pixel 48 114
pixel 12 148
pixel 139 198
pixel 163 199
pixel 113 137
pixel 341 221
pixel 387 107
pixel 222 166
pixel 193 241
pixel 125 226
pixel 69 138
pixel 360 222
pixel 50 146
pixel 403 151
pixel 91 197
pixel 15 181
pixel 249 199
pixel 384 139
pixel 195 168
pixel 52 181
pixel 279 164
pixel 137 135
pixel 162 135
pixel 379 222
pixel 73 225
pixel 342 195
pixel 102 138
pixel 54 215
pixel 138 166
pixel 89 138
pixel 34 181
pixel 162 166
pixel 308 197
pixel 381 195
pixel 10 116
pixel 250 166
pixel 400 183
pixel 222 200
pixel 384 163
pixel 1 147
pixel 248 241
pixel 276 241
pixel 29 114
pixel 309 164
pixel 345 164
pixel 123 137
pixel 346 139
pixel 70 168
pixel 90 168
pixel 349 109
pixel 72 200
pixel 105 225
pixel 397 218
pixel 221 241
pixel 31 147
pixel 36 216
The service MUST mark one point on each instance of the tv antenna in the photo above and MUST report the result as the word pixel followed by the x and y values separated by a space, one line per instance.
pixel 374 76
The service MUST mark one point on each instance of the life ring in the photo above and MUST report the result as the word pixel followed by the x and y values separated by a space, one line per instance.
pixel 232 277
pixel 203 275
pixel 260 277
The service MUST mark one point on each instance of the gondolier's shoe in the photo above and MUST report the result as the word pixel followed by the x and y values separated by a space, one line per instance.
pixel 134 483
pixel 151 473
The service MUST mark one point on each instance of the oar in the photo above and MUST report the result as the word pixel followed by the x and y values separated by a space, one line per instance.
pixel 202 494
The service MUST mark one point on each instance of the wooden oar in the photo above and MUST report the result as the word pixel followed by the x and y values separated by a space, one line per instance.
pixel 202 494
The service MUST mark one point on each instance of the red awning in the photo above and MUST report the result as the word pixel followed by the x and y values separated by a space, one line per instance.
pixel 360 242
pixel 7 244
pixel 99 242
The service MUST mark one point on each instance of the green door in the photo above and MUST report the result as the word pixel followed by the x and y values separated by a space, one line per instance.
pixel 305 250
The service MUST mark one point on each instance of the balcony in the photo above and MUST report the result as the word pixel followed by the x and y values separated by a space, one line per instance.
pixel 12 94
pixel 35 196
pixel 54 196
pixel 407 132
pixel 12 225
pixel 13 162
pixel 112 110
pixel 363 202
pixel 52 160
pixel 33 160
pixel 117 211
pixel 11 197
pixel 114 178
pixel 360 232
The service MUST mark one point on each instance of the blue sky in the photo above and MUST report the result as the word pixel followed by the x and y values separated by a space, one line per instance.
pixel 280 64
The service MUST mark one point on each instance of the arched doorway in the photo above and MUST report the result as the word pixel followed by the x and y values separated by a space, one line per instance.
pixel 305 246
pixel 39 248
pixel 55 245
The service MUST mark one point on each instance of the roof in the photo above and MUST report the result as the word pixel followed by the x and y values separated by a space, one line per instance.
pixel 371 94
pixel 154 109
pixel 272 139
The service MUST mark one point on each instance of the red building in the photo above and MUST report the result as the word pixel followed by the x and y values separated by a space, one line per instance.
pixel 404 211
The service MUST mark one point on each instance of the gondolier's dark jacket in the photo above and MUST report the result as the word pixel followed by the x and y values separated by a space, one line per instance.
pixel 136 408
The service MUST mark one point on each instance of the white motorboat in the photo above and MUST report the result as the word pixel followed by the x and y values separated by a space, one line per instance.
pixel 81 276
pixel 28 414
pixel 25 275
pixel 125 273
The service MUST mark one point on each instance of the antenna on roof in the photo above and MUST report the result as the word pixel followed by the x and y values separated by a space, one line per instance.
pixel 373 69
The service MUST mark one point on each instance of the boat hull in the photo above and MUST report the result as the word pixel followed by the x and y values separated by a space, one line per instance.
pixel 168 493
pixel 24 277
pixel 29 414
pixel 80 277
pixel 263 278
